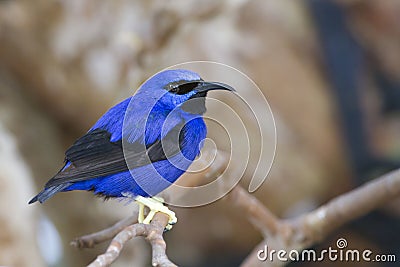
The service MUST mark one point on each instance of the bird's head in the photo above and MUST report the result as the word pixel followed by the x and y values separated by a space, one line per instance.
pixel 181 89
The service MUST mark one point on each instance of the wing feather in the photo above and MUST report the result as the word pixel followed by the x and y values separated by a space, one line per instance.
pixel 94 155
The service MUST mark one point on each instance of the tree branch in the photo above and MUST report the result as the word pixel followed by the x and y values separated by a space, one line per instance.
pixel 308 229
pixel 262 219
pixel 153 233
pixel 349 206
pixel 89 241
pixel 297 233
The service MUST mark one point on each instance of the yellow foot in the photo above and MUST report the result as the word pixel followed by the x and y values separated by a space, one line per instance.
pixel 155 205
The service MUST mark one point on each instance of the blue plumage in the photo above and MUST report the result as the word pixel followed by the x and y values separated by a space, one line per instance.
pixel 148 176
pixel 162 128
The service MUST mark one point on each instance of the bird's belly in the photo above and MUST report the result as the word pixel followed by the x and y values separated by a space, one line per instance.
pixel 145 181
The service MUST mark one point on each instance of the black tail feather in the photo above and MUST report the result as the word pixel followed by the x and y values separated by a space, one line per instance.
pixel 47 193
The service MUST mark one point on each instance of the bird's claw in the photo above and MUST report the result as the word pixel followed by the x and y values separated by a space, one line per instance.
pixel 155 205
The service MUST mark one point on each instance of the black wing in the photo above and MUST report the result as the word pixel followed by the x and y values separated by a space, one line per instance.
pixel 94 155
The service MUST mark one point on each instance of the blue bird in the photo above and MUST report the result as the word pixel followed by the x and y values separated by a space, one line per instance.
pixel 140 146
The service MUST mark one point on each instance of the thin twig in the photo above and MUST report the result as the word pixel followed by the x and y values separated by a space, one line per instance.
pixel 263 219
pixel 154 235
pixel 90 240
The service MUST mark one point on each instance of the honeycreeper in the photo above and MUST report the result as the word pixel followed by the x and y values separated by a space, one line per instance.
pixel 140 146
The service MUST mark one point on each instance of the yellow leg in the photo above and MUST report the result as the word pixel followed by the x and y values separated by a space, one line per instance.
pixel 141 213
pixel 149 217
pixel 155 205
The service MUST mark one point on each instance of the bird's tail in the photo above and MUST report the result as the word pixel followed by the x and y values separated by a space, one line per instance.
pixel 47 193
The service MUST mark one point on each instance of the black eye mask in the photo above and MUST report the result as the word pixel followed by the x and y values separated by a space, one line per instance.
pixel 182 87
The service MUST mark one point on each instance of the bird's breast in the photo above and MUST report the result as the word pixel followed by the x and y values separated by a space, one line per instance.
pixel 193 133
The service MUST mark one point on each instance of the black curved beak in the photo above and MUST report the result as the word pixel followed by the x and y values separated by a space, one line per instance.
pixel 209 86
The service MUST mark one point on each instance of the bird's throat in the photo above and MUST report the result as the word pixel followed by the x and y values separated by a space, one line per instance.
pixel 196 104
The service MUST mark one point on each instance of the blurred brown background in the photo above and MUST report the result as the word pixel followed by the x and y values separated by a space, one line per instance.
pixel 329 69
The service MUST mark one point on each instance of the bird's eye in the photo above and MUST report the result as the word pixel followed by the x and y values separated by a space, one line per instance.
pixel 173 88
